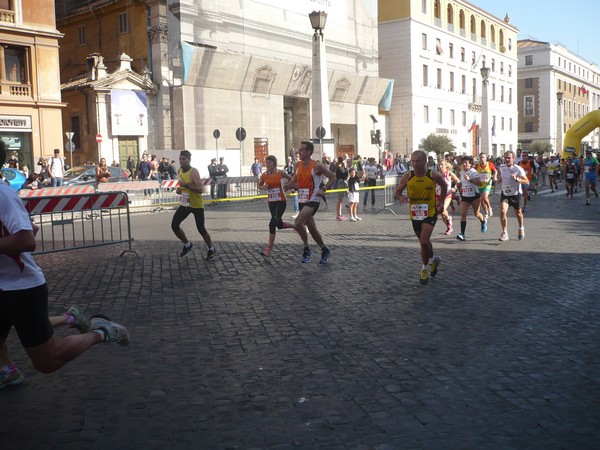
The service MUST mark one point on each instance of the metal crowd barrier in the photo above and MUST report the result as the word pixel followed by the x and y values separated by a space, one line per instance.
pixel 390 182
pixel 77 221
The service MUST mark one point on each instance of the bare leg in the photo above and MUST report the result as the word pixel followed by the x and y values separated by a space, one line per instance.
pixel 54 353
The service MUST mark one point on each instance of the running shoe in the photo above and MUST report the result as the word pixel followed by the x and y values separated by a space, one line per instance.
pixel 11 378
pixel 461 237
pixel 484 226
pixel 266 252
pixel 306 256
pixel 342 218
pixel 503 237
pixel 82 323
pixel 325 255
pixel 352 219
pixel 448 231
pixel 210 255
pixel 357 218
pixel 186 250
pixel 521 233
pixel 490 212
pixel 113 332
pixel 433 265
pixel 424 277
pixel 587 202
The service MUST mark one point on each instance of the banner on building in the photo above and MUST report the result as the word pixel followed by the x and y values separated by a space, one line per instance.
pixel 129 113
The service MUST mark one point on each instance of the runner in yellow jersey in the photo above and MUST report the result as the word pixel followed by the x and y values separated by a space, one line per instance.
pixel 487 175
pixel 420 185
pixel 190 202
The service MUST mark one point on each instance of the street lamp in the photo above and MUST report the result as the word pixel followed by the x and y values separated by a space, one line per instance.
pixel 321 118
pixel 485 122
pixel 559 121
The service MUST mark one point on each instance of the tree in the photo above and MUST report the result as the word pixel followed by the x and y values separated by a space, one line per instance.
pixel 541 148
pixel 437 143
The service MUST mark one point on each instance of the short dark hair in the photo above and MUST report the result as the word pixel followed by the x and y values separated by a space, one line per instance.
pixel 271 158
pixel 56 150
pixel 309 146
pixel 185 153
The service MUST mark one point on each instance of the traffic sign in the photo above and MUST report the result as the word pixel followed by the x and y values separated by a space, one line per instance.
pixel 240 134
pixel 70 146
pixel 69 135
pixel 320 132
pixel 216 133
pixel 98 138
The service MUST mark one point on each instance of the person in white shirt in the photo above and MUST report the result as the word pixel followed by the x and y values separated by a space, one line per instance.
pixel 512 177
pixel 56 169
pixel 469 196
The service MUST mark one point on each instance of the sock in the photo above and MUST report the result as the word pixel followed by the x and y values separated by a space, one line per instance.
pixel 424 267
pixel 463 226
pixel 70 318
pixel 102 334
pixel 430 260
pixel 212 248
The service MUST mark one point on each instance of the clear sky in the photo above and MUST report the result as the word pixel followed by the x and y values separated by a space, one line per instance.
pixel 570 23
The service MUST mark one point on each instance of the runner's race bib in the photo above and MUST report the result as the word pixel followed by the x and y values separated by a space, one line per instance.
pixel 303 195
pixel 184 199
pixel 419 212
pixel 274 194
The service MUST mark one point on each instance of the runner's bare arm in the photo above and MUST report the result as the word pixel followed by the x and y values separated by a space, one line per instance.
pixel 400 189
pixel 14 244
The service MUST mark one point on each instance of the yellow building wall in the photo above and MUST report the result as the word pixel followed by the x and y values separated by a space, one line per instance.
pixel 39 12
pixel 394 9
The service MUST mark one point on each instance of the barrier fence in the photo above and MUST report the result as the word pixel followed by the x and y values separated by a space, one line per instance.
pixel 76 221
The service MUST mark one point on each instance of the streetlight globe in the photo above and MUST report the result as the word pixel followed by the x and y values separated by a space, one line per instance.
pixel 318 20
pixel 559 96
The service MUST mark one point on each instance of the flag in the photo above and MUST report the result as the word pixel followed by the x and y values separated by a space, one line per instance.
pixel 494 129
pixel 583 90
pixel 473 125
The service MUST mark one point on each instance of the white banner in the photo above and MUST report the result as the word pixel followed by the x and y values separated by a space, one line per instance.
pixel 129 114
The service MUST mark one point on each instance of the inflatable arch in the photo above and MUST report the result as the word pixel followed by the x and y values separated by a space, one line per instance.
pixel 580 129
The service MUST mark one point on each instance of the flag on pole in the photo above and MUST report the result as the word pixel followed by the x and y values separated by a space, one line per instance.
pixel 583 90
pixel 473 125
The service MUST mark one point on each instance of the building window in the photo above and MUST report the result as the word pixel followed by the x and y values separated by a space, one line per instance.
pixel 474 88
pixel 493 91
pixel 438 47
pixel 510 96
pixel 440 121
pixel 473 58
pixel 437 13
pixel 451 81
pixel 439 78
pixel 528 83
pixel 493 65
pixel 123 25
pixel 502 123
pixel 502 93
pixel 462 54
pixel 426 114
pixel 452 118
pixel 461 21
pixel 463 85
pixel 501 68
pixel 529 60
pixel 509 124
pixel 424 6
pixel 451 50
pixel 424 41
pixel 14 68
pixel 509 70
pixel 528 102
pixel 464 118
pixel 529 127
pixel 81 40
pixel 425 75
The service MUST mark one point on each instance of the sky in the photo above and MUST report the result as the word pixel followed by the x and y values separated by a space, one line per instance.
pixel 570 23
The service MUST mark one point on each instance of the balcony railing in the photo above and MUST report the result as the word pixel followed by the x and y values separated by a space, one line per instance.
pixel 15 89
pixel 450 28
pixel 7 16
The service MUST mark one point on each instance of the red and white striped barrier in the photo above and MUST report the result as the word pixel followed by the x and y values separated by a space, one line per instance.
pixel 235 180
pixel 49 205
pixel 53 191
pixel 170 184
pixel 127 186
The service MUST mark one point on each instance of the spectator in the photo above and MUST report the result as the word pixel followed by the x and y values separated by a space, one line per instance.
pixel 131 167
pixel 56 168
pixel 173 170
pixel 13 162
pixel 370 175
pixel 115 163
pixel 341 177
pixel 222 170
pixel 102 172
pixel 25 171
pixel 212 174
pixel 32 181
pixel 43 169
pixel 256 168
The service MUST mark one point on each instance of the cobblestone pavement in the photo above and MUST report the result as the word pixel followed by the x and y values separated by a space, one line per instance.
pixel 499 351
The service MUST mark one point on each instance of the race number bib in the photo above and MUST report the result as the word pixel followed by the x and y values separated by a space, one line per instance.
pixel 184 199
pixel 484 177
pixel 570 176
pixel 467 191
pixel 550 171
pixel 587 169
pixel 419 212
pixel 303 195
pixel 508 190
pixel 274 194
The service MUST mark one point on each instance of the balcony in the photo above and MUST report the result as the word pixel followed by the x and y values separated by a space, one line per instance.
pixel 7 16
pixel 18 90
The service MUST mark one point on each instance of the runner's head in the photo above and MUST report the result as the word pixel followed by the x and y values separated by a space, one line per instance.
pixel 185 158
pixel 509 158
pixel 418 160
pixel 271 161
pixel 306 149
pixel 467 161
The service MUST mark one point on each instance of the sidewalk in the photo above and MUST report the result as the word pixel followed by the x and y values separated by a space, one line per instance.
pixel 500 350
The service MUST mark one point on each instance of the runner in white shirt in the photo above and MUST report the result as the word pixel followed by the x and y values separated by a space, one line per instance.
pixel 469 196
pixel 511 177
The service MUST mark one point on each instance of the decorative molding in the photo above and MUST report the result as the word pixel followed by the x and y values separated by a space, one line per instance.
pixel 158 32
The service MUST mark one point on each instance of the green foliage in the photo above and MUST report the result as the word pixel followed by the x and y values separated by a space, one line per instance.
pixel 437 143
pixel 541 148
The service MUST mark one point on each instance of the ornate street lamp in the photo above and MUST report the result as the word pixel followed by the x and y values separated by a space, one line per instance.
pixel 559 121
pixel 485 131
pixel 321 119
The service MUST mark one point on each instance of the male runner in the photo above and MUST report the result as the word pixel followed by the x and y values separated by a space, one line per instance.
pixel 190 202
pixel 420 184
pixel 529 167
pixel 308 175
pixel 512 177
pixel 590 166
pixel 487 175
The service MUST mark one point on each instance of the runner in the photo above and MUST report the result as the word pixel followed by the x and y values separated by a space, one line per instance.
pixel 272 181
pixel 469 196
pixel 24 294
pixel 420 184
pixel 570 177
pixel 553 169
pixel 307 179
pixel 527 165
pixel 511 177
pixel 449 179
pixel 487 175
pixel 190 202
pixel 590 166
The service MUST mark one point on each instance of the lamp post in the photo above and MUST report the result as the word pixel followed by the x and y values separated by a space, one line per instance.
pixel 320 91
pixel 485 142
pixel 559 122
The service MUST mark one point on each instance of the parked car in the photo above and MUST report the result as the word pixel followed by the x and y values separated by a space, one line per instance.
pixel 87 175
pixel 14 178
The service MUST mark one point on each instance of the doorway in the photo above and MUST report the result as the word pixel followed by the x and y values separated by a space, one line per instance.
pixel 128 146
